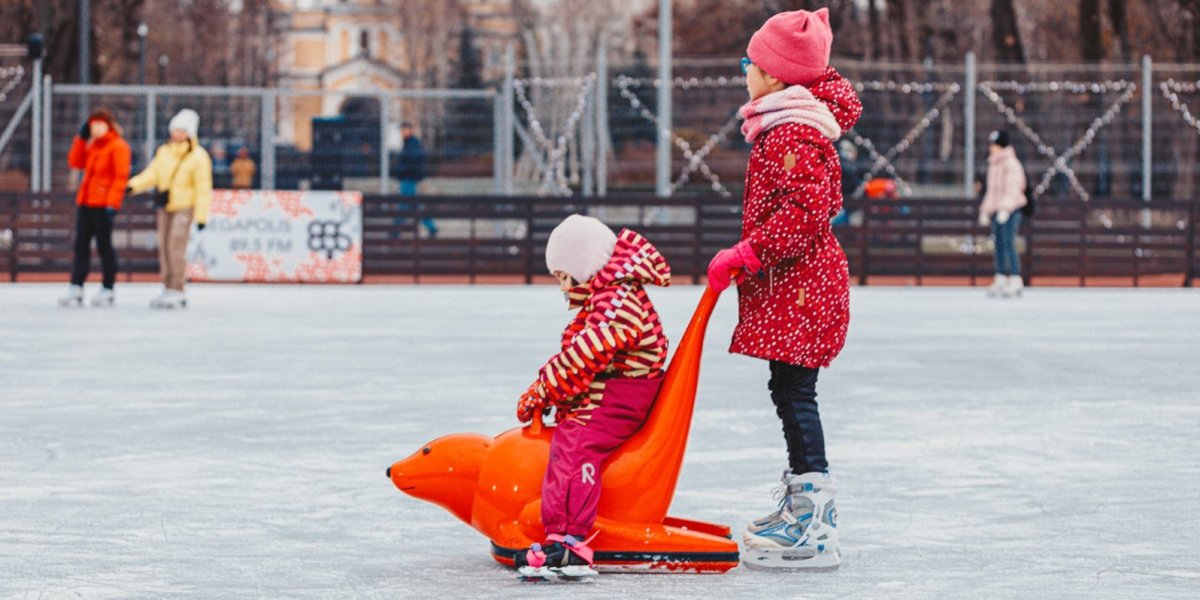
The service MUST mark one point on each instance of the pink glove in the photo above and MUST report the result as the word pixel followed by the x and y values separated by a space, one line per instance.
pixel 738 260
pixel 530 405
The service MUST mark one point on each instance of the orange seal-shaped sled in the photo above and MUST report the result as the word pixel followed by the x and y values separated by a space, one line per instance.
pixel 495 484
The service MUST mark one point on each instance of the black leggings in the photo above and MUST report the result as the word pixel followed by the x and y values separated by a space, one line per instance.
pixel 94 223
pixel 794 391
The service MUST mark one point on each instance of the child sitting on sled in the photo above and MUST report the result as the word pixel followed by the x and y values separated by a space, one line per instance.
pixel 601 385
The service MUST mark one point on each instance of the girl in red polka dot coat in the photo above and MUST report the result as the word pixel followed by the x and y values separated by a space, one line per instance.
pixel 792 278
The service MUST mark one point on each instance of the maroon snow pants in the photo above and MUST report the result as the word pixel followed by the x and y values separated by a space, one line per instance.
pixel 571 490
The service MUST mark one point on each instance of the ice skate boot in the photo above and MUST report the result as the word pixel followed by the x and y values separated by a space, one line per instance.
pixel 171 300
pixel 1015 287
pixel 802 534
pixel 998 286
pixel 73 298
pixel 157 301
pixel 560 557
pixel 104 298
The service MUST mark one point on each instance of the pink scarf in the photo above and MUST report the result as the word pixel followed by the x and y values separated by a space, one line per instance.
pixel 793 104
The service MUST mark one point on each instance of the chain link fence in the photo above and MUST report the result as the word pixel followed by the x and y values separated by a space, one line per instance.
pixel 1082 131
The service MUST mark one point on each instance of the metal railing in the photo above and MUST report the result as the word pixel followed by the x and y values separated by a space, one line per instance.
pixel 911 240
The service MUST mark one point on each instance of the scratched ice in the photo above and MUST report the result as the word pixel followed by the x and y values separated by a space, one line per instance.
pixel 1048 447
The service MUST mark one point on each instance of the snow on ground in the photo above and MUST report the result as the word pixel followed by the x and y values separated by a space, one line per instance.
pixel 1047 447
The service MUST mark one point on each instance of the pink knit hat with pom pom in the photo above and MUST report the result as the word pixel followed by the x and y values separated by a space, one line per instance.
pixel 793 47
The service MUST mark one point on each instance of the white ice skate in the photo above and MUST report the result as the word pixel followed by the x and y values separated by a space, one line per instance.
pixel 169 300
pixel 73 298
pixel 802 534
pixel 104 298
pixel 1015 287
pixel 998 286
pixel 157 301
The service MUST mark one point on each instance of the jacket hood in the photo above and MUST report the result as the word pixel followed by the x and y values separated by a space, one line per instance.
pixel 634 259
pixel 838 94
pixel 1003 154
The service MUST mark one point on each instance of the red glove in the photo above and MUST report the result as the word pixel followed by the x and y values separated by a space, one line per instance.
pixel 739 259
pixel 530 405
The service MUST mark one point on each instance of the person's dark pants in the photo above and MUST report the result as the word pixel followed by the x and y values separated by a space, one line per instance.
pixel 1008 262
pixel 408 187
pixel 94 223
pixel 794 391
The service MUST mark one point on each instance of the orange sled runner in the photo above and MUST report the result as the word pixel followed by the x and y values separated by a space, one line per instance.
pixel 495 484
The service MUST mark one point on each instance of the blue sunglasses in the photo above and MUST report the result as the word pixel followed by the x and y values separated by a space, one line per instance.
pixel 746 65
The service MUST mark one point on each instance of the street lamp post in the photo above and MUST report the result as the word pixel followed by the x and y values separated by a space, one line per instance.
pixel 163 61
pixel 85 39
pixel 142 31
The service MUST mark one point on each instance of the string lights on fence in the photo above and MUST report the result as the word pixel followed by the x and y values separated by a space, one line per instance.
pixel 1060 163
pixel 695 160
pixel 883 162
pixel 14 75
pixel 1171 90
pixel 554 176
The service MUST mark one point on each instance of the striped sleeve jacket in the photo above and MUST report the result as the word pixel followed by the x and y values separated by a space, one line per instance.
pixel 615 333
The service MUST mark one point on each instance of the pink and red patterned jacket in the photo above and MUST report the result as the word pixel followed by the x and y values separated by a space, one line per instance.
pixel 616 333
pixel 799 310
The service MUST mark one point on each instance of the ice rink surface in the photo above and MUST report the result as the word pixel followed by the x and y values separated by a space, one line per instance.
pixel 1047 447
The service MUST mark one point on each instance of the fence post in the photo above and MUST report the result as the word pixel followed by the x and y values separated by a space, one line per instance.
pixel 529 242
pixel 1027 278
pixel 506 152
pixel 383 150
pixel 1147 123
pixel 47 99
pixel 497 143
pixel 697 238
pixel 662 157
pixel 589 144
pixel 602 117
pixel 268 141
pixel 35 150
pixel 13 264
pixel 148 140
pixel 864 246
pixel 1190 273
pixel 969 127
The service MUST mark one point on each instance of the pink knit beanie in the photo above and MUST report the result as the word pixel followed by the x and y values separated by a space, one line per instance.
pixel 793 47
pixel 580 246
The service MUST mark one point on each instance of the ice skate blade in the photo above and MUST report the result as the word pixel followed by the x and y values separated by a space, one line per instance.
pixel 791 559
pixel 576 572
pixel 572 574
pixel 535 574
pixel 70 303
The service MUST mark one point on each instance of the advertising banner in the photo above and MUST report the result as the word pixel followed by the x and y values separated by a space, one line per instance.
pixel 261 236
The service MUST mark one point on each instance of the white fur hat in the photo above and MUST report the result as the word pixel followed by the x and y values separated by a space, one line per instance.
pixel 187 120
pixel 580 246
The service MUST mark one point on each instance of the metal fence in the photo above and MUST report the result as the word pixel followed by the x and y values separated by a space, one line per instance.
pixel 915 240
pixel 1083 131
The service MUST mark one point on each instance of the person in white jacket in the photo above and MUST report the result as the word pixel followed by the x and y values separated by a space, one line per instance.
pixel 1001 207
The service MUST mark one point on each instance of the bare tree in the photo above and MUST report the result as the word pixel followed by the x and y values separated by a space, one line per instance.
pixel 875 42
pixel 903 28
pixel 1090 26
pixel 1006 34
pixel 1120 24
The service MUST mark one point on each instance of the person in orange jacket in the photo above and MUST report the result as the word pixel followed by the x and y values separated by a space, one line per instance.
pixel 104 157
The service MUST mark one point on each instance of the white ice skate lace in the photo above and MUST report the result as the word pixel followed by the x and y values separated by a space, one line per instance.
pixel 782 495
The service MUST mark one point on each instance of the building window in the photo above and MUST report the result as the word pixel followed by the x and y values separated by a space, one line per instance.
pixel 364 43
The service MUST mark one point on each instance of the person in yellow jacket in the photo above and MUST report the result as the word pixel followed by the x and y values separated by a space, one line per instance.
pixel 183 170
